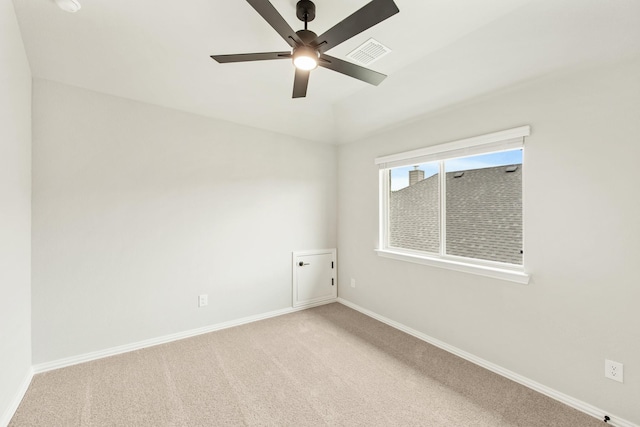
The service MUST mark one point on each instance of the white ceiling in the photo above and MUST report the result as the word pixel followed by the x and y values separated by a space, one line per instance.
pixel 444 51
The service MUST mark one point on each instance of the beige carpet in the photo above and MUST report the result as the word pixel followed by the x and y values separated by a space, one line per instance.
pixel 329 365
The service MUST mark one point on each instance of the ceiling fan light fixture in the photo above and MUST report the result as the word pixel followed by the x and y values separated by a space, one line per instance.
pixel 305 58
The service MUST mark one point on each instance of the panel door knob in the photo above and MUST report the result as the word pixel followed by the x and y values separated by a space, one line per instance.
pixel 302 263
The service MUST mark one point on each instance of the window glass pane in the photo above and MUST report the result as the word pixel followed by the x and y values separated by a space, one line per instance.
pixel 414 207
pixel 484 207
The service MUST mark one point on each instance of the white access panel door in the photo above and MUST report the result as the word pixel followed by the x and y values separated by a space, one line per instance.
pixel 314 277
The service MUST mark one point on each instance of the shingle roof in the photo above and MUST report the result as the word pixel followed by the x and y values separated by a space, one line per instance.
pixel 484 215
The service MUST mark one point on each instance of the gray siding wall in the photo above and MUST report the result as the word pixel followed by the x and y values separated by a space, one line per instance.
pixel 414 216
pixel 484 215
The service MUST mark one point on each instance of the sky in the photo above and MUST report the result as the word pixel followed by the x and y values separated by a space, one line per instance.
pixel 400 176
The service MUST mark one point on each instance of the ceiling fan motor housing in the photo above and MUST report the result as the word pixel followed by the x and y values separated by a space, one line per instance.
pixel 306 10
pixel 307 36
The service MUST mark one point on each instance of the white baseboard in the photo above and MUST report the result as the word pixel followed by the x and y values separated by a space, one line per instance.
pixel 540 388
pixel 13 407
pixel 82 358
pixel 309 304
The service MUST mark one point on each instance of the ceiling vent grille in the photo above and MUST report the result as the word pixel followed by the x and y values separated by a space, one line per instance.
pixel 368 52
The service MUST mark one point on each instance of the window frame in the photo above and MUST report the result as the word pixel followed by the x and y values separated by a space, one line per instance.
pixel 498 141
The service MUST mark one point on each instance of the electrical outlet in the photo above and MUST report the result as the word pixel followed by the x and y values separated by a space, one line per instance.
pixel 353 283
pixel 203 300
pixel 614 370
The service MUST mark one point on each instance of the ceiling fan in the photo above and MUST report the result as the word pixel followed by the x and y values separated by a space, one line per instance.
pixel 309 49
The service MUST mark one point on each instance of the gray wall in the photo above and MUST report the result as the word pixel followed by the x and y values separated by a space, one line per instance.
pixel 138 209
pixel 15 210
pixel 581 234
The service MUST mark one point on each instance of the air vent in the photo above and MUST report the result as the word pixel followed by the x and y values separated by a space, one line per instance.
pixel 458 174
pixel 370 51
pixel 511 168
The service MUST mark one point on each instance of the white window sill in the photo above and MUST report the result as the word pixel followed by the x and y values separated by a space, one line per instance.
pixel 512 275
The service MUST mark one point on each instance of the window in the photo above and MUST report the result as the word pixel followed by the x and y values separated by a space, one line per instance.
pixel 457 205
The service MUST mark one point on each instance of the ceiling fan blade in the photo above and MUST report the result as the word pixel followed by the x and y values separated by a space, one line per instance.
pixel 369 15
pixel 244 57
pixel 352 70
pixel 300 83
pixel 271 15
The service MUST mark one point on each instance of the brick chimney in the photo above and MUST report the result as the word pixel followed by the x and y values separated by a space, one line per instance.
pixel 415 175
